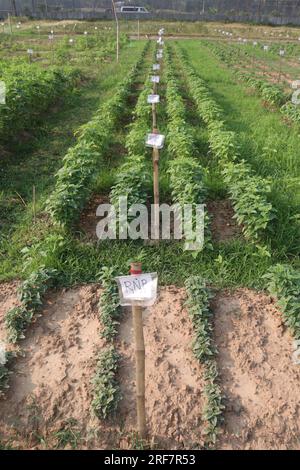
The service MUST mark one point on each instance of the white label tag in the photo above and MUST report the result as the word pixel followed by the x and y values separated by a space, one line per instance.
pixel 155 141
pixel 30 51
pixel 138 290
pixel 159 56
pixel 156 67
pixel 155 79
pixel 153 99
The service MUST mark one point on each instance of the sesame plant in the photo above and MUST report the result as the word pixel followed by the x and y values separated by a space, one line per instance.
pixel 283 283
pixel 106 391
pixel 109 304
pixel 133 177
pixel 186 173
pixel 30 90
pixel 30 297
pixel 198 304
pixel 75 179
pixel 271 93
pixel 247 191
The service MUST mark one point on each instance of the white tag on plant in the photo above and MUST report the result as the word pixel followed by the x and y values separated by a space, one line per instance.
pixel 159 56
pixel 30 51
pixel 156 67
pixel 155 141
pixel 155 79
pixel 138 289
pixel 153 99
pixel 281 52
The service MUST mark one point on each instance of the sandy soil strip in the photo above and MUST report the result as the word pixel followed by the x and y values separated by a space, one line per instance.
pixel 259 378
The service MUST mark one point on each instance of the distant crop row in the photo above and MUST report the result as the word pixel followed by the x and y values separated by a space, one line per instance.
pixel 29 92
pixel 248 192
pixel 186 172
pixel 270 92
pixel 74 181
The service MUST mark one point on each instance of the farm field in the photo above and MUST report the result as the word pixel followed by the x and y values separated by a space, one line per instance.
pixel 222 339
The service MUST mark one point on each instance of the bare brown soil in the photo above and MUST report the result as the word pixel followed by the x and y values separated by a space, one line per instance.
pixel 223 226
pixel 258 376
pixel 88 219
pixel 51 383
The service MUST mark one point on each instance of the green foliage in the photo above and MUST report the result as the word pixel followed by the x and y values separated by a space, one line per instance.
pixel 283 283
pixel 133 177
pixel 186 173
pixel 214 407
pixel 76 177
pixel 30 91
pixel 109 304
pixel 248 194
pixel 198 303
pixel 198 300
pixel 106 390
pixel 68 435
pixel 247 191
pixel 30 298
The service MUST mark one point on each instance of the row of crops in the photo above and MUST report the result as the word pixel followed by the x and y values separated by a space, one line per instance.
pixel 29 92
pixel 274 94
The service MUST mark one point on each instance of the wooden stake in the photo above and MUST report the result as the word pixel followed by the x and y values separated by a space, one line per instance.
pixel 137 317
pixel 153 116
pixel 155 157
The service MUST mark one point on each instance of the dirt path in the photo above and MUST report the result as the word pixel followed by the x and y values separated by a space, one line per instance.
pixel 259 378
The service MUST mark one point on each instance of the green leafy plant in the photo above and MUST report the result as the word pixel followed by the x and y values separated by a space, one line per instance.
pixel 283 283
pixel 30 91
pixel 133 178
pixel 198 304
pixel 109 304
pixel 106 390
pixel 247 191
pixel 30 299
pixel 82 162
pixel 186 173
